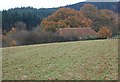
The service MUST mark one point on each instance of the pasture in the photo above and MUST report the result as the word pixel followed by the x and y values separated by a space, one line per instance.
pixel 80 60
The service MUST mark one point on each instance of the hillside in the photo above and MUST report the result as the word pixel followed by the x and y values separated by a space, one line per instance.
pixel 100 5
pixel 33 17
pixel 80 60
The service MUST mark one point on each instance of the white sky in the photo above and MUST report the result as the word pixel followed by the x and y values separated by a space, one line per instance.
pixel 6 4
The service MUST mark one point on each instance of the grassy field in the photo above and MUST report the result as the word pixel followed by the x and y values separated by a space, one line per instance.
pixel 82 60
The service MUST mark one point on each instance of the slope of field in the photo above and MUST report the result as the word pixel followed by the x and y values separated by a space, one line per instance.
pixel 80 60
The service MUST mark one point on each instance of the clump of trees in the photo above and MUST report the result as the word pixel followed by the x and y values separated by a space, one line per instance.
pixel 100 18
pixel 65 18
pixel 105 22
pixel 87 16
pixel 20 36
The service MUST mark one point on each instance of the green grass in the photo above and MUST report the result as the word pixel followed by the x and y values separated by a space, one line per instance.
pixel 81 60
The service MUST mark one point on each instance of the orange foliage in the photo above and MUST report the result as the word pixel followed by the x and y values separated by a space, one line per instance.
pixel 64 18
pixel 104 32
pixel 8 38
pixel 53 26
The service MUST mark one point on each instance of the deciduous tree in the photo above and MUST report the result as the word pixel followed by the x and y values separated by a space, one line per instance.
pixel 64 18
pixel 104 32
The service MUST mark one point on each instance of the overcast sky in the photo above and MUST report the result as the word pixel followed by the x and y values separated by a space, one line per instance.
pixel 6 4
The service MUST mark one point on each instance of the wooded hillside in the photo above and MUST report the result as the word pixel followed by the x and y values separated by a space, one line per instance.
pixel 33 17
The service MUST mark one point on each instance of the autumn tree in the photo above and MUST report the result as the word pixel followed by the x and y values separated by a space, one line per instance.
pixel 100 18
pixel 104 32
pixel 91 12
pixel 88 8
pixel 110 19
pixel 64 18
pixel 9 39
pixel 52 26
pixel 78 20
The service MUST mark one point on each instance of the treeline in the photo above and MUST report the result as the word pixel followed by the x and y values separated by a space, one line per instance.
pixel 103 21
pixel 18 37
pixel 33 17
pixel 114 6
pixel 29 15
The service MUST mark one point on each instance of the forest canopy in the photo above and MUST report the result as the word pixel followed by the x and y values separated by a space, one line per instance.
pixel 87 16
pixel 65 18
